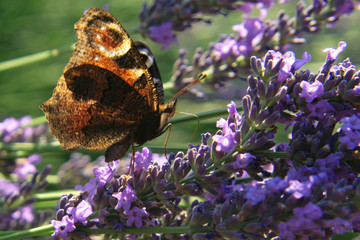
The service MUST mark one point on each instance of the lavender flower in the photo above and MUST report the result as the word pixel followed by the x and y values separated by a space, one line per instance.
pixel 16 130
pixel 311 91
pixel 226 59
pixel 333 53
pixel 125 198
pixel 350 132
pixel 13 130
pixel 163 34
pixel 26 166
pixel 135 216
pixel 163 17
pixel 81 212
pixel 17 201
pixel 63 227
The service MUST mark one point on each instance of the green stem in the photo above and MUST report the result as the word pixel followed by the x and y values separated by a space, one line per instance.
pixel 150 230
pixel 203 115
pixel 46 230
pixel 21 61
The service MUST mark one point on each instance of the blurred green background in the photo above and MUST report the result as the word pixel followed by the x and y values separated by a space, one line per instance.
pixel 31 26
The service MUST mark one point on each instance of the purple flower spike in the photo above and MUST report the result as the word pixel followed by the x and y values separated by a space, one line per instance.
pixel 135 216
pixel 226 141
pixel 333 53
pixel 222 50
pixel 125 198
pixel 25 213
pixel 63 227
pixel 163 34
pixel 25 166
pixel 143 160
pixel 80 212
pixel 306 57
pixel 351 132
pixel 243 160
pixel 105 174
pixel 286 65
pixel 311 91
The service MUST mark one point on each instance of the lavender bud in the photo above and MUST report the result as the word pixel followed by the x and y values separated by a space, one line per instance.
pixel 246 101
pixel 206 236
pixel 230 234
pixel 330 94
pixel 262 116
pixel 254 110
pixel 168 194
pixel 60 214
pixel 201 170
pixel 341 87
pixel 280 94
pixel 268 69
pixel 45 173
pixel 350 72
pixel 254 227
pixel 252 81
pixel 153 174
pixel 229 223
pixel 254 65
pixel 95 200
pixel 113 201
pixel 191 157
pixel 261 89
pixel 270 91
pixel 11 198
pixel 26 189
pixel 227 210
pixel 271 120
pixel 329 84
pixel 194 189
pixel 160 186
pixel 216 217
pixel 63 200
pixel 104 202
pixel 33 179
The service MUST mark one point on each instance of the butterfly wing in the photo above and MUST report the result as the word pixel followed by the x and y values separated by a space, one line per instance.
pixel 105 90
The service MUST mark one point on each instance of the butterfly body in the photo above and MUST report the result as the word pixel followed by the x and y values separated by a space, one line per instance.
pixel 110 94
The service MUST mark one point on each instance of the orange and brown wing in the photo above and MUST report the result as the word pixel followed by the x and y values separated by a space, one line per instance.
pixel 105 89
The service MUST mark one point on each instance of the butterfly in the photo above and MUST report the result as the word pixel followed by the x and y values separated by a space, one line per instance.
pixel 110 95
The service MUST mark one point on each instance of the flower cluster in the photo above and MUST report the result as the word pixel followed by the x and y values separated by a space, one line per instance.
pixel 245 186
pixel 21 179
pixel 18 130
pixel 17 201
pixel 163 17
pixel 228 58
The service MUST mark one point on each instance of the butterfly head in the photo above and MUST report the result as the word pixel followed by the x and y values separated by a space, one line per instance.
pixel 166 111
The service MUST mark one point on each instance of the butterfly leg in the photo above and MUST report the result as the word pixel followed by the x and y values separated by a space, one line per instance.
pixel 167 139
pixel 132 161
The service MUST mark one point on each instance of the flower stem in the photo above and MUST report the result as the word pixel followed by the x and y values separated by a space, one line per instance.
pixel 38 232
pixel 203 115
pixel 21 61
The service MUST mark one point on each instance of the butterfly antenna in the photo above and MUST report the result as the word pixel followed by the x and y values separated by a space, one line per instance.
pixel 200 77
pixel 166 141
